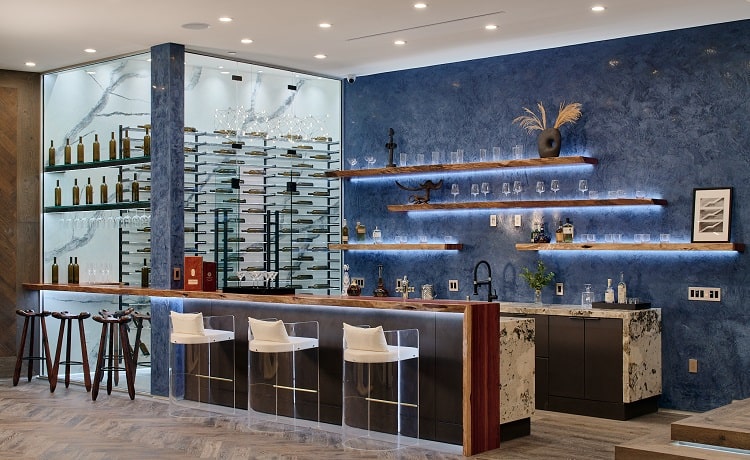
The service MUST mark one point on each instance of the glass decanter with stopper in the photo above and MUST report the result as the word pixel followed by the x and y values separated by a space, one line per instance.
pixel 587 296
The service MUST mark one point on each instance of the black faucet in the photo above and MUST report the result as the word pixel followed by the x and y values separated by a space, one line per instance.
pixel 491 295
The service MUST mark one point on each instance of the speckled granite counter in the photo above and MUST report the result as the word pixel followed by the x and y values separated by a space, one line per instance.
pixel 516 375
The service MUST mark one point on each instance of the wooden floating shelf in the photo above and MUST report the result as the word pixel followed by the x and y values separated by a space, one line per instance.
pixel 443 168
pixel 99 207
pixel 447 206
pixel 398 247
pixel 736 247
pixel 98 164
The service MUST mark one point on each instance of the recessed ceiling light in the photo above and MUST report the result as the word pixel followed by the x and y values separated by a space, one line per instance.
pixel 232 52
pixel 324 25
pixel 399 42
pixel 491 27
pixel 195 26
pixel 90 50
pixel 320 56
pixel 224 72
pixel 246 41
pixel 597 8
pixel 30 64
pixel 91 72
pixel 420 5
pixel 225 19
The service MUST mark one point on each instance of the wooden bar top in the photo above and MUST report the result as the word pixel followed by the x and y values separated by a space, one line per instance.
pixel 389 303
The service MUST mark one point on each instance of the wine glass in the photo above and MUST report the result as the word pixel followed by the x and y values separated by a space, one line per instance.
pixel 554 185
pixel 482 155
pixel 583 186
pixel 506 188
pixel 517 188
pixel 352 162
pixel 540 188
pixel 474 190
pixel 370 161
pixel 454 191
pixel 485 189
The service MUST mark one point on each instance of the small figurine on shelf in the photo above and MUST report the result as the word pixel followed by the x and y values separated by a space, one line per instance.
pixel 346 280
pixel 380 291
pixel 354 289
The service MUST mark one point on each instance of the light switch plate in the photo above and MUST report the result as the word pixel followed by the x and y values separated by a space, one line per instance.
pixel 517 220
pixel 559 289
pixel 453 285
pixel 493 220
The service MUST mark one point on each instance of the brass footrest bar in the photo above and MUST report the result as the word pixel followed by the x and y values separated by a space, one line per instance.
pixel 296 389
pixel 221 379
pixel 395 403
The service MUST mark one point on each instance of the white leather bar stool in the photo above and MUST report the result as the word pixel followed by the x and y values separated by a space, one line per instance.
pixel 380 408
pixel 283 374
pixel 201 364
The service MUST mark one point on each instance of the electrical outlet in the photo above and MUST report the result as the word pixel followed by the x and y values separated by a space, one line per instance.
pixel 704 293
pixel 559 289
pixel 517 220
pixel 360 282
pixel 176 274
pixel 693 366
pixel 453 285
pixel 493 220
pixel 398 284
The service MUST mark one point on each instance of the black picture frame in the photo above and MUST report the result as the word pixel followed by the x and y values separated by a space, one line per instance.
pixel 712 215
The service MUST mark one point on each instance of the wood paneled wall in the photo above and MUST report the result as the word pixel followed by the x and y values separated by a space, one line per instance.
pixel 20 131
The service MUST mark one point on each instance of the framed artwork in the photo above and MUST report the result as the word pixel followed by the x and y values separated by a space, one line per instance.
pixel 712 211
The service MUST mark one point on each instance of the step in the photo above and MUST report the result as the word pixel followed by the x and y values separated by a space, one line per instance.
pixel 726 426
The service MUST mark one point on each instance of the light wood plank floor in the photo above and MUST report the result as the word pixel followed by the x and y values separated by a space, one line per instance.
pixel 35 424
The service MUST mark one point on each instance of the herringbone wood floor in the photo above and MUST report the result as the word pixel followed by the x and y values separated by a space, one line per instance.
pixel 35 424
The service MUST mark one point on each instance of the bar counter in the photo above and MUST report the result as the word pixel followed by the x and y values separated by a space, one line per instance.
pixel 480 333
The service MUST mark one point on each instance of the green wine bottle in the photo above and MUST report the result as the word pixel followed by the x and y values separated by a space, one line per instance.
pixel 103 191
pixel 55 271
pixel 96 150
pixel 52 153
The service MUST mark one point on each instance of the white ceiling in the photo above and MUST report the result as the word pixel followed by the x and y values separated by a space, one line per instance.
pixel 285 33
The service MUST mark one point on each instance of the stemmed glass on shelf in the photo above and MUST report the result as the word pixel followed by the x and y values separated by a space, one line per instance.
pixel 370 161
pixel 474 190
pixel 454 191
pixel 352 162
pixel 554 185
pixel 485 189
pixel 517 188
pixel 506 188
pixel 540 188
pixel 583 186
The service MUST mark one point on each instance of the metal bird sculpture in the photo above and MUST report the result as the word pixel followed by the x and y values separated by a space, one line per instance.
pixel 426 186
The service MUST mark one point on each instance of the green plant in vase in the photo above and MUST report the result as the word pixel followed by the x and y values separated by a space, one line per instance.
pixel 537 279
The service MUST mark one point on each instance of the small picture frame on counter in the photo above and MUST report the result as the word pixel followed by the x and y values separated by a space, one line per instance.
pixel 712 210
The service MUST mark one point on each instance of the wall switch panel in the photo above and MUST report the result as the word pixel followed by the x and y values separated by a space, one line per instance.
pixel 360 282
pixel 517 220
pixel 453 285
pixel 693 366
pixel 707 294
pixel 559 289
pixel 493 220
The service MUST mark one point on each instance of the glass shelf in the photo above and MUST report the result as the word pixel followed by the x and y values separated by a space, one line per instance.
pixel 100 207
pixel 98 164
pixel 447 206
pixel 397 247
pixel 736 247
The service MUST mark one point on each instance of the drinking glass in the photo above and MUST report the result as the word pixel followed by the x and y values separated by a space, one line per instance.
pixel 517 188
pixel 485 189
pixel 540 188
pixel 460 154
pixel 403 159
pixel 474 190
pixel 436 158
pixel 454 191
pixel 482 155
pixel 506 188
pixel 496 154
pixel 370 161
pixel 420 159
pixel 353 162
pixel 517 151
pixel 454 158
pixel 554 185
pixel 583 186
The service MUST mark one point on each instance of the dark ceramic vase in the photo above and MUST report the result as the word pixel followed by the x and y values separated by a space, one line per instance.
pixel 549 143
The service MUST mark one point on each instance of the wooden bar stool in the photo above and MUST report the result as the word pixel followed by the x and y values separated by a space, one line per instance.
pixel 66 319
pixel 138 319
pixel 29 317
pixel 110 353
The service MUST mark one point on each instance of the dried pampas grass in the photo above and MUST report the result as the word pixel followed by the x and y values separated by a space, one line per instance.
pixel 531 122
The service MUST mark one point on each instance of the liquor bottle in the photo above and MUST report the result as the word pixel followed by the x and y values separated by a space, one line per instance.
pixel 534 233
pixel 147 144
pixel 96 149
pixel 80 158
pixel 55 271
pixel 113 147
pixel 58 194
pixel 559 232
pixel 145 271
pixel 118 189
pixel 71 274
pixel 622 290
pixel 609 294
pixel 344 232
pixel 67 152
pixel 126 145
pixel 89 192
pixel 52 153
pixel 76 193
pixel 135 189
pixel 361 231
pixel 103 191
pixel 76 271
pixel 567 231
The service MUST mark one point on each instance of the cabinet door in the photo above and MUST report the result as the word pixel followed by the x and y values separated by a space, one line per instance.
pixel 541 334
pixel 566 357
pixel 603 358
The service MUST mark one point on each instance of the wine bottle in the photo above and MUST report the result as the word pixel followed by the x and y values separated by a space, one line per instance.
pixel 118 189
pixel 79 150
pixel 567 231
pixel 103 191
pixel 126 145
pixel 89 192
pixel 52 153
pixel 76 193
pixel 71 274
pixel 58 194
pixel 96 150
pixel 55 271
pixel 344 232
pixel 67 152
pixel 559 232
pixel 113 147
pixel 609 294
pixel 622 290
pixel 147 144
pixel 76 271
pixel 145 271
pixel 135 189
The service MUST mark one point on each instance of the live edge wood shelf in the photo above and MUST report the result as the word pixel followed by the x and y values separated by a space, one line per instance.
pixel 398 247
pixel 443 168
pixel 447 206
pixel 736 247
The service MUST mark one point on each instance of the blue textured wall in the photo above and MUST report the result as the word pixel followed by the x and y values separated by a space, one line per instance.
pixel 665 113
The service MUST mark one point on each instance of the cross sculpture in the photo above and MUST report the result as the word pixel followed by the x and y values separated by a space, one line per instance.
pixel 405 289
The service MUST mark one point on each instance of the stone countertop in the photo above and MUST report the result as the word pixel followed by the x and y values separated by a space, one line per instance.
pixel 570 310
